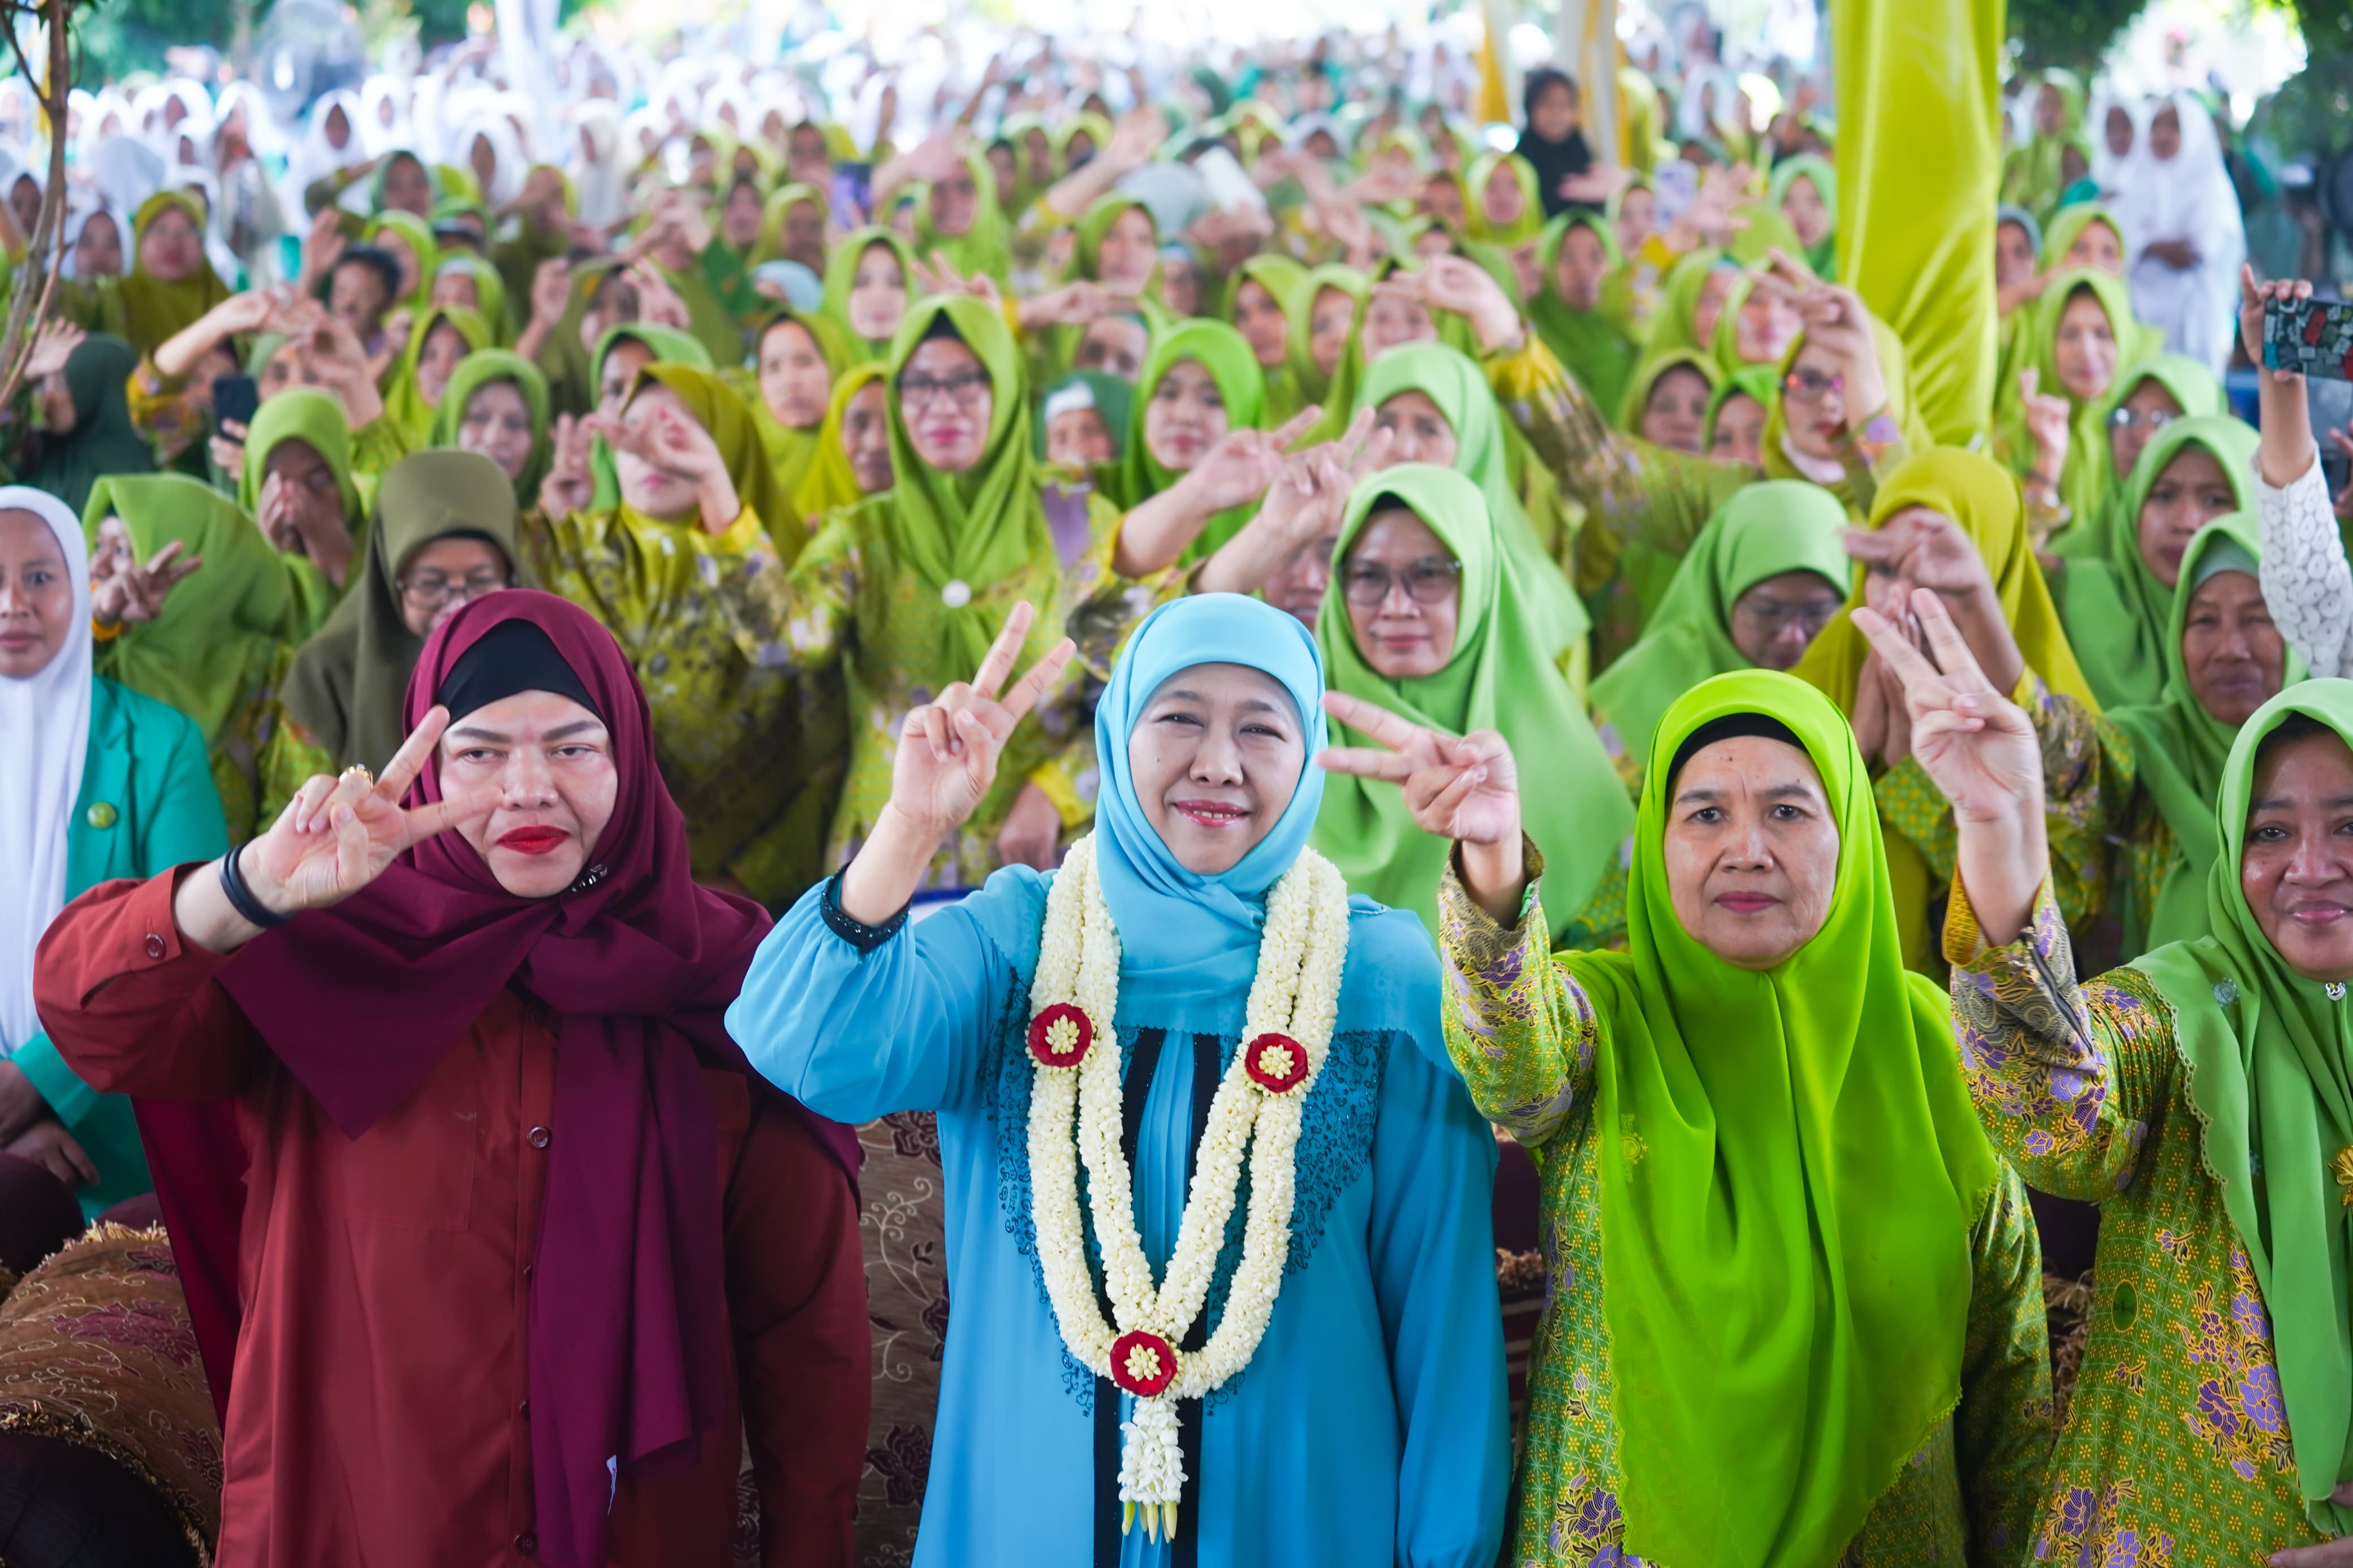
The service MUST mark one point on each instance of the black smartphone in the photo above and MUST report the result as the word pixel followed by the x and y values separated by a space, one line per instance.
pixel 235 399
pixel 2310 337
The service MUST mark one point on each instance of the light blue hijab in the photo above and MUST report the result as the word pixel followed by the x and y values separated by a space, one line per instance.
pixel 1193 938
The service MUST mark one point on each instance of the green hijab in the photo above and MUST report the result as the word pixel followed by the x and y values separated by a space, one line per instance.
pixel 985 249
pixel 1759 382
pixel 1475 221
pixel 979 526
pixel 2067 224
pixel 2031 175
pixel 1227 356
pixel 2270 1074
pixel 2197 393
pixel 208 653
pixel 1459 387
pixel 1653 365
pixel 1280 276
pixel 490 292
pixel 1766 529
pixel 418 235
pixel 1113 401
pixel 1299 315
pixel 1821 256
pixel 477 370
pixel 841 272
pixel 1501 676
pixel 103 440
pixel 1086 256
pixel 2113 605
pixel 671 347
pixel 727 417
pixel 1675 324
pixel 2179 750
pixel 1787 1266
pixel 347 684
pixel 309 415
pixel 830 482
pixel 771 220
pixel 405 402
pixel 154 309
pixel 1589 343
pixel 791 451
pixel 2086 476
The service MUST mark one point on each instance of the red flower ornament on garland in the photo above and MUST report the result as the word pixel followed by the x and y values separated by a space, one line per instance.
pixel 1060 1036
pixel 1142 1364
pixel 1276 1063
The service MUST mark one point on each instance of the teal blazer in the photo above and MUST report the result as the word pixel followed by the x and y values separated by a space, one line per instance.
pixel 147 805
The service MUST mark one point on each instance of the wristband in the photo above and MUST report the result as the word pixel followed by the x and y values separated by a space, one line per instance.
pixel 240 897
pixel 857 933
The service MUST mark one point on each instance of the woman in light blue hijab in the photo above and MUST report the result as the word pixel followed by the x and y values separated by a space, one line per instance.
pixel 1371 1423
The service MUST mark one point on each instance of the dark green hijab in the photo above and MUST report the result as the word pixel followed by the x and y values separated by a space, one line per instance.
pixel 103 440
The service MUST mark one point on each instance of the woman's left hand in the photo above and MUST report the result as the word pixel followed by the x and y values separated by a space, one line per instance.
pixel 670 440
pixel 1450 283
pixel 2336 1553
pixel 1241 465
pixel 1916 551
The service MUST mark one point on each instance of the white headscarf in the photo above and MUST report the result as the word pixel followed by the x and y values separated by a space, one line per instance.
pixel 2187 196
pixel 46 719
pixel 383 91
pixel 2111 174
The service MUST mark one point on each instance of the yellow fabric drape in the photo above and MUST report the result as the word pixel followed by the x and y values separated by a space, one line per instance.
pixel 1919 160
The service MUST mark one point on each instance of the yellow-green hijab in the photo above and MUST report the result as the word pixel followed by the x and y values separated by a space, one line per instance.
pixel 1589 342
pixel 723 413
pixel 405 401
pixel 790 451
pixel 1790 1168
pixel 154 309
pixel 841 272
pixel 2270 1075
pixel 479 370
pixel 490 292
pixel 985 249
pixel 1501 676
pixel 418 235
pixel 1475 222
pixel 1226 355
pixel 2085 480
pixel 830 482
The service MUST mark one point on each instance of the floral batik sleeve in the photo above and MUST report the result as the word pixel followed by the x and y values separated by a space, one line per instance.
pixel 1101 606
pixel 823 591
pixel 1520 1031
pixel 2003 1431
pixel 2066 1078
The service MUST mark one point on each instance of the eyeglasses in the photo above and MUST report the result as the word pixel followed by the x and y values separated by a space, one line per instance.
pixel 1812 385
pixel 962 389
pixel 1425 582
pixel 2151 420
pixel 432 593
pixel 1771 617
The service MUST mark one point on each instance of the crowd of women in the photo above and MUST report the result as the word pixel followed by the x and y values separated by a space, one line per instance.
pixel 663 733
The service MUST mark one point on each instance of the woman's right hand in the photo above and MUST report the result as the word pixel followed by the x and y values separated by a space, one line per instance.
pixel 948 748
pixel 1466 789
pixel 136 592
pixel 570 485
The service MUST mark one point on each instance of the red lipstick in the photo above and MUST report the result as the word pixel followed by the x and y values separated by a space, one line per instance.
pixel 533 841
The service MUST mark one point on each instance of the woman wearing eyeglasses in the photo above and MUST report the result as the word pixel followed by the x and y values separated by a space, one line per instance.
pixel 1423 617
pixel 1842 417
pixel 906 589
pixel 443 536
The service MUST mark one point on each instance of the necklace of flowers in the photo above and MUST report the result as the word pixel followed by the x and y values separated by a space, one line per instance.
pixel 1286 1034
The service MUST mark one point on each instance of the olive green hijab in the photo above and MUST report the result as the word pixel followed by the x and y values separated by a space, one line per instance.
pixel 1475 221
pixel 1765 529
pixel 791 451
pixel 2113 605
pixel 841 272
pixel 979 526
pixel 985 249
pixel 406 401
pixel 1501 676
pixel 671 347
pixel 347 684
pixel 1790 1168
pixel 418 235
pixel 154 309
pixel 727 417
pixel 1226 354
pixel 307 415
pixel 208 653
pixel 831 482
pixel 477 370
pixel 2270 1074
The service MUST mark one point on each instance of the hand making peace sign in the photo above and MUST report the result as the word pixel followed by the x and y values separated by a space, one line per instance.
pixel 948 748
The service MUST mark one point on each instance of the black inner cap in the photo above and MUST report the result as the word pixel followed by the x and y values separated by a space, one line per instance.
pixel 1726 729
pixel 513 656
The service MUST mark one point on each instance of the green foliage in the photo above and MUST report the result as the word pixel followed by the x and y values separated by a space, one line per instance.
pixel 2070 33
pixel 115 37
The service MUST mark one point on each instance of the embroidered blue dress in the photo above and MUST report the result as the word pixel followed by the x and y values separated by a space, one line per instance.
pixel 1369 1428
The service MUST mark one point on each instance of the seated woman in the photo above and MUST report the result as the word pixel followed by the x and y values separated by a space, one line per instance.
pixel 1321 316
pixel 795 361
pixel 439 342
pixel 1763 1190
pixel 170 283
pixel 1426 616
pixel 1347 1406
pixel 853 447
pixel 471 282
pixel 1667 397
pixel 1257 293
pixel 2081 335
pixel 2115 593
pixel 297 481
pixel 1737 414
pixel 191 607
pixel 688 575
pixel 869 281
pixel 432 1228
pixel 108 784
pixel 2150 395
pixel 496 404
pixel 86 431
pixel 1578 253
pixel 1200 381
pixel 2194 1096
pixel 444 535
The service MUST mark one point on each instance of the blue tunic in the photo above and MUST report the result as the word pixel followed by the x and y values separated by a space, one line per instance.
pixel 1370 1427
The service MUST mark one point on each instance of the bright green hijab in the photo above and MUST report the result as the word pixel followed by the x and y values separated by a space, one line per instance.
pixel 987 248
pixel 2270 1074
pixel 1475 221
pixel 2193 389
pixel 210 649
pixel 779 207
pixel 2085 477
pixel 2179 750
pixel 979 526
pixel 1280 276
pixel 479 370
pixel 405 402
pixel 2113 605
pixel 841 272
pixel 1821 256
pixel 1499 676
pixel 1227 356
pixel 1787 1266
pixel 490 292
pixel 671 347
pixel 1675 325
pixel 1589 343
pixel 1653 365
pixel 1761 384
pixel 2067 224
pixel 418 235
pixel 1299 313
pixel 1459 387
pixel 830 480
pixel 1766 529
pixel 2031 175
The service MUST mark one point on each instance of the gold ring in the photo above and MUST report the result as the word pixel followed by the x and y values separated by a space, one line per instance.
pixel 365 776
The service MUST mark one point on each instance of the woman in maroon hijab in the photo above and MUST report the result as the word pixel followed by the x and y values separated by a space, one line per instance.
pixel 515 1208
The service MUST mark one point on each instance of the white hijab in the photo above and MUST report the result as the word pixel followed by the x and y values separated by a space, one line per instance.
pixel 2187 196
pixel 46 719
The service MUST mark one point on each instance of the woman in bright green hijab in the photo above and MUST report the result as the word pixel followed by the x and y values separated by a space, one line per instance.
pixel 1575 257
pixel 301 438
pixel 1199 381
pixel 1505 205
pixel 906 588
pixel 2201 1096
pixel 833 478
pixel 1691 298
pixel 2084 234
pixel 216 651
pixel 496 404
pixel 1767 571
pixel 1760 1167
pixel 1673 416
pixel 1737 414
pixel 1814 218
pixel 796 359
pixel 2117 593
pixel 437 344
pixel 487 298
pixel 2153 394
pixel 409 240
pixel 867 313
pixel 2081 335
pixel 1321 315
pixel 786 232
pixel 2032 176
pixel 961 223
pixel 1257 306
pixel 1494 656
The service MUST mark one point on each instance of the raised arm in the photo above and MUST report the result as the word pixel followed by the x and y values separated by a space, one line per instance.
pixel 1235 472
pixel 2306 582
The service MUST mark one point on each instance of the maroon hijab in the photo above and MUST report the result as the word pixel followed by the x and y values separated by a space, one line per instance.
pixel 627 1354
